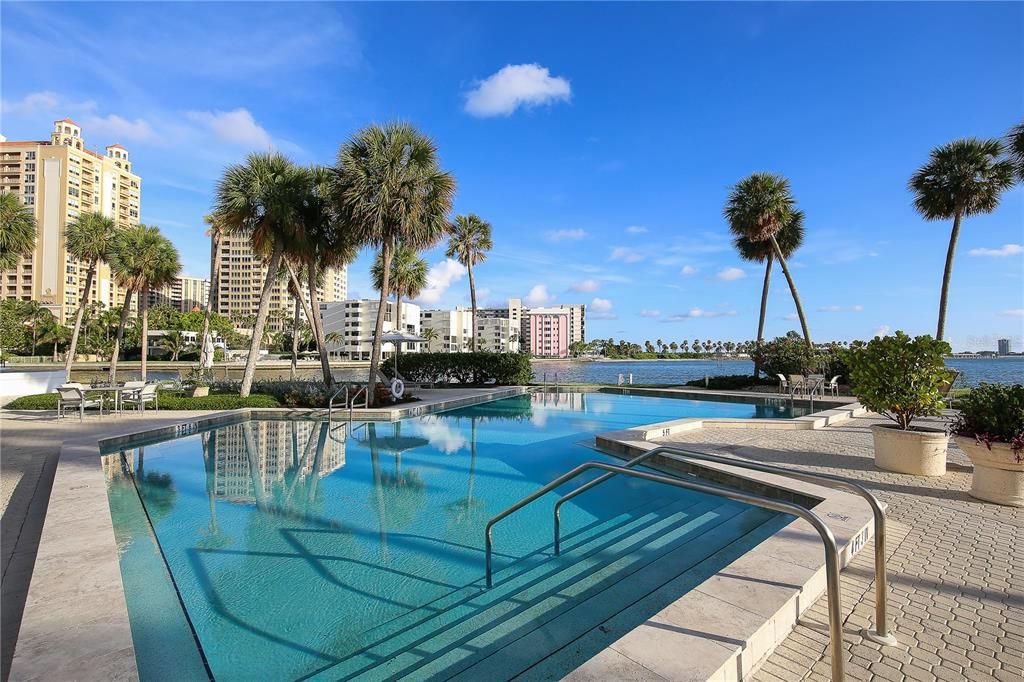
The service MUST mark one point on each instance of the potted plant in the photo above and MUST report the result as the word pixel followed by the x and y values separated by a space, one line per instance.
pixel 900 378
pixel 990 430
pixel 199 380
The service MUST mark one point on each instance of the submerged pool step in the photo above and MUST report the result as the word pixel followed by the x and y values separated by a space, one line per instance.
pixel 473 605
pixel 522 608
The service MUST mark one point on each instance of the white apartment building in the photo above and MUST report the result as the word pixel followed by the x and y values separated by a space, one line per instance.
pixel 184 293
pixel 355 321
pixel 454 328
pixel 518 317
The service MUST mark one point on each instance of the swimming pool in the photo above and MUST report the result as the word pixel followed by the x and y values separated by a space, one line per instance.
pixel 295 550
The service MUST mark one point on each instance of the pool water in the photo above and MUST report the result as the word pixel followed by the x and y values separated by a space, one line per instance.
pixel 300 551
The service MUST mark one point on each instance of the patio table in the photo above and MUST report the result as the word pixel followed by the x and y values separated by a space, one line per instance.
pixel 116 390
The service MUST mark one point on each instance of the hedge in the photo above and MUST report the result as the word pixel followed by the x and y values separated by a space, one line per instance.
pixel 503 369
pixel 732 382
pixel 169 400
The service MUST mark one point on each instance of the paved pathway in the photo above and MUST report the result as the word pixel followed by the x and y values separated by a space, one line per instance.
pixel 956 567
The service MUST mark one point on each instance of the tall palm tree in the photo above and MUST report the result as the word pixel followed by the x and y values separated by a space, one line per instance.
pixel 789 238
pixel 258 199
pixel 962 178
pixel 161 269
pixel 1015 149
pixel 758 208
pixel 392 191
pixel 469 240
pixel 430 334
pixel 17 230
pixel 215 231
pixel 35 317
pixel 89 238
pixel 408 278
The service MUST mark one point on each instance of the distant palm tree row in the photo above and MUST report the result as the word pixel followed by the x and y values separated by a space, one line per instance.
pixel 963 178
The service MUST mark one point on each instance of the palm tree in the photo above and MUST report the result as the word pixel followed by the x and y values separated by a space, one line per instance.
pixel 89 238
pixel 408 278
pixel 789 238
pixel 175 344
pixel 430 334
pixel 1015 149
pixel 163 265
pixel 258 199
pixel 17 230
pixel 758 208
pixel 392 191
pixel 215 231
pixel 34 316
pixel 469 240
pixel 962 178
pixel 55 333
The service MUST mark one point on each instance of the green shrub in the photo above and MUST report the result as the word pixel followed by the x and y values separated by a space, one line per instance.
pixel 788 355
pixel 288 393
pixel 503 369
pixel 993 413
pixel 732 382
pixel 899 377
pixel 169 400
pixel 41 401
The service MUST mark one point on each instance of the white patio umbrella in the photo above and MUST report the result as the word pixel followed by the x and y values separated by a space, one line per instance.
pixel 206 361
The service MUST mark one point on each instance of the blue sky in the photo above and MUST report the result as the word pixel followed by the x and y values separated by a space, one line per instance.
pixel 599 139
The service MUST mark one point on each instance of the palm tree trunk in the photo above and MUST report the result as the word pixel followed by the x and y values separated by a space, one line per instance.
pixel 764 310
pixel 472 304
pixel 792 289
pixel 295 340
pixel 214 286
pixel 144 314
pixel 79 316
pixel 398 326
pixel 947 274
pixel 261 319
pixel 116 351
pixel 316 324
pixel 371 384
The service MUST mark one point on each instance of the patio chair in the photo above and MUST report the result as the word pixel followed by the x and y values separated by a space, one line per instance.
pixel 783 384
pixel 815 383
pixel 946 389
pixel 72 395
pixel 797 384
pixel 832 387
pixel 147 394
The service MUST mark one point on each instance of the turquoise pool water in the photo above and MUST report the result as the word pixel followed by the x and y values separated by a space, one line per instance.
pixel 301 552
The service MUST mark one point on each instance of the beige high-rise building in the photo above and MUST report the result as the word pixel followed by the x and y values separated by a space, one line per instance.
pixel 61 178
pixel 241 274
pixel 184 293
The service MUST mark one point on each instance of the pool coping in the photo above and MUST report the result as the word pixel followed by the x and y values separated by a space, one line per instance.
pixel 77 569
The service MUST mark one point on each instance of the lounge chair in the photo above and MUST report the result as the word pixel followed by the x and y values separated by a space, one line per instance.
pixel 832 386
pixel 783 384
pixel 73 395
pixel 147 394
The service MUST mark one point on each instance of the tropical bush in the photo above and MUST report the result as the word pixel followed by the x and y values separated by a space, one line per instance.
pixel 288 393
pixel 732 382
pixel 169 400
pixel 504 369
pixel 787 355
pixel 900 377
pixel 993 413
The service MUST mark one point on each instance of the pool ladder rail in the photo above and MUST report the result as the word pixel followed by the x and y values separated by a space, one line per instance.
pixel 881 632
pixel 349 400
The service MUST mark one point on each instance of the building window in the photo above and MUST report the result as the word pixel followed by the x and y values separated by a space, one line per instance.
pixel 30 155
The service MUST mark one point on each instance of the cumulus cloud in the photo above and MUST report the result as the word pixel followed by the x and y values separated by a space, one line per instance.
pixel 515 86
pixel 440 277
pixel 119 128
pixel 626 254
pixel 699 312
pixel 1012 312
pixel 236 127
pixel 586 286
pixel 538 296
pixel 565 235
pixel 45 100
pixel 636 229
pixel 1004 250
pixel 601 309
pixel 650 313
pixel 883 330
pixel 731 274
pixel 688 270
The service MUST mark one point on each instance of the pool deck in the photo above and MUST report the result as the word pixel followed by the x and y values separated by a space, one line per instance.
pixel 956 604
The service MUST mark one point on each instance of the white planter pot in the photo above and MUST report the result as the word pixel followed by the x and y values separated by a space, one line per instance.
pixel 998 476
pixel 921 452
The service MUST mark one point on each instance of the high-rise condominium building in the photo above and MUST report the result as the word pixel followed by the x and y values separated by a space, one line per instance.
pixel 547 331
pixel 241 274
pixel 494 331
pixel 1004 346
pixel 184 293
pixel 60 179
pixel 355 321
pixel 518 317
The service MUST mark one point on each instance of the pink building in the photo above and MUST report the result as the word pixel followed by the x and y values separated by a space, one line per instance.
pixel 548 332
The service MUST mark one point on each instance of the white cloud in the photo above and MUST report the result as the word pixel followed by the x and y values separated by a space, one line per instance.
pixel 119 129
pixel 565 235
pixel 1004 250
pixel 514 86
pixel 731 274
pixel 699 312
pixel 538 296
pixel 441 276
pixel 688 270
pixel 791 316
pixel 45 100
pixel 626 254
pixel 829 309
pixel 650 313
pixel 1012 312
pixel 636 229
pixel 882 331
pixel 601 309
pixel 236 127
pixel 586 286
pixel 841 309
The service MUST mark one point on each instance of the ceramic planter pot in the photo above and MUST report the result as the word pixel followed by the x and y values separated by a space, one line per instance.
pixel 200 391
pixel 921 452
pixel 998 476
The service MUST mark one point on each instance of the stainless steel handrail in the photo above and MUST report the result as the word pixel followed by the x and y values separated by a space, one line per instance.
pixel 880 634
pixel 330 404
pixel 835 622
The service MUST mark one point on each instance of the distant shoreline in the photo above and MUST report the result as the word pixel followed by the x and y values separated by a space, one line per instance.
pixel 586 360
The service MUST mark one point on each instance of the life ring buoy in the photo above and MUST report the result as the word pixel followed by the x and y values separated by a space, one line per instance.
pixel 397 388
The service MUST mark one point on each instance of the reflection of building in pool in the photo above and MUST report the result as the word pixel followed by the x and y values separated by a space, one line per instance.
pixel 279 448
pixel 571 402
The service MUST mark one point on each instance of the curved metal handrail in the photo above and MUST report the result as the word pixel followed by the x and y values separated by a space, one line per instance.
pixel 880 634
pixel 835 623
